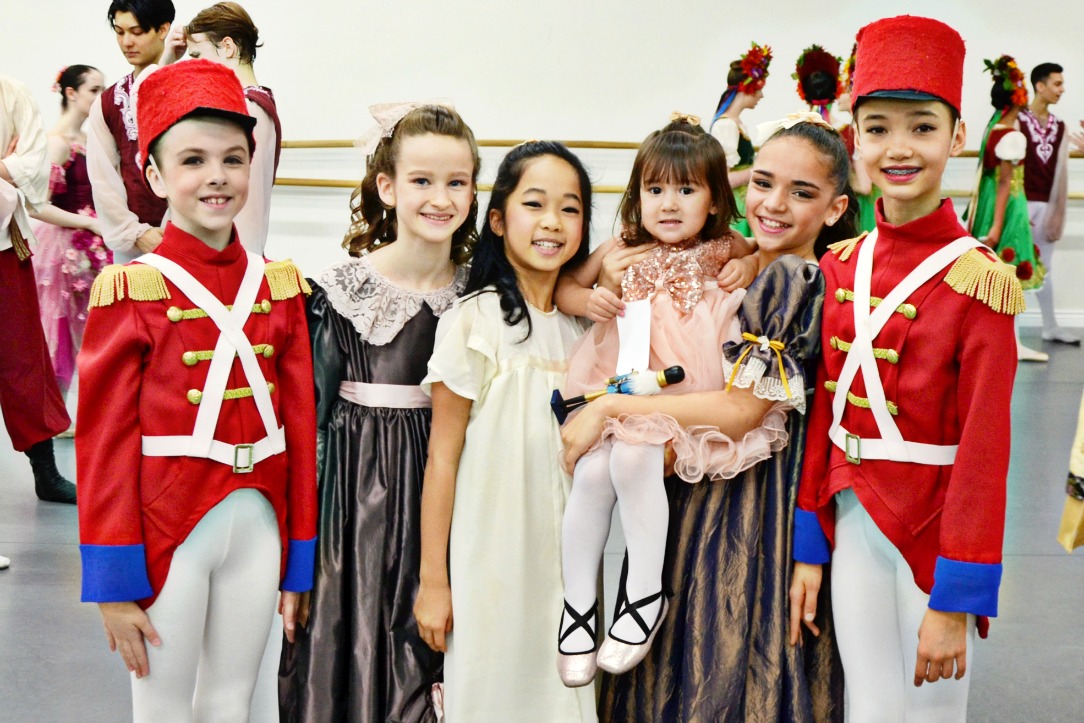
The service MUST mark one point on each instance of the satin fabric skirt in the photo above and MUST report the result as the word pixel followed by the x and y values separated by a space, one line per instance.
pixel 722 654
pixel 361 658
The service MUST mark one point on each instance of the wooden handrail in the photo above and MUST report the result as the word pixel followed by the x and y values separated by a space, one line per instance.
pixel 506 143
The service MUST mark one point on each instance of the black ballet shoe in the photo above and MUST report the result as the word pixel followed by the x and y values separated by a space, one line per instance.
pixel 577 668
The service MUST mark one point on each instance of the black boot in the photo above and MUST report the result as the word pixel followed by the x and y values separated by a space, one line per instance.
pixel 49 484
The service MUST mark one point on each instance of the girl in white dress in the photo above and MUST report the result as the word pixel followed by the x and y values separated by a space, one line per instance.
pixel 494 563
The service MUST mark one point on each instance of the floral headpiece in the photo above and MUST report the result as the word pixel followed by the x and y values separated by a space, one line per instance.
pixel 755 66
pixel 813 59
pixel 847 76
pixel 1006 72
pixel 56 84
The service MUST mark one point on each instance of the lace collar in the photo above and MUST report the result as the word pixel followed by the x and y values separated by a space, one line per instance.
pixel 378 308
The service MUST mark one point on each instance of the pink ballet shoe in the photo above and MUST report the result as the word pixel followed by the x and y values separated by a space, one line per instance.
pixel 620 656
pixel 577 669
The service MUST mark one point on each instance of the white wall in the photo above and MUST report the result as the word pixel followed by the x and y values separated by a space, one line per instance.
pixel 570 69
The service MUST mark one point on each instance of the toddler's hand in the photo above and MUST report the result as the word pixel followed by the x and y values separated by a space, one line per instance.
pixel 738 274
pixel 604 305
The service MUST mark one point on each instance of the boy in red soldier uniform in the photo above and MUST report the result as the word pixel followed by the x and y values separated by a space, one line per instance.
pixel 903 484
pixel 196 444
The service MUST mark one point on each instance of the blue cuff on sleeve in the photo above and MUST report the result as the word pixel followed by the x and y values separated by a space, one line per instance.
pixel 114 573
pixel 300 563
pixel 810 543
pixel 965 587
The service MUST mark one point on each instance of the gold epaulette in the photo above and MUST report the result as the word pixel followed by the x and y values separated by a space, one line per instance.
pixel 991 281
pixel 285 280
pixel 844 249
pixel 138 282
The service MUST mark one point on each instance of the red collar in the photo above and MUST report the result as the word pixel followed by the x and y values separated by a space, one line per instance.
pixel 181 244
pixel 935 229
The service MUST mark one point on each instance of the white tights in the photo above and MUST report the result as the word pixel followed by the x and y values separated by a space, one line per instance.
pixel 213 615
pixel 878 608
pixel 1037 212
pixel 630 475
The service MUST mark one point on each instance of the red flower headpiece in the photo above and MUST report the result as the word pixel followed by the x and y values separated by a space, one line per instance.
pixel 813 59
pixel 56 83
pixel 847 77
pixel 1006 72
pixel 755 66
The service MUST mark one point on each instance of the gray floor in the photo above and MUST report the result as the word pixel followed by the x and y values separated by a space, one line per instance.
pixel 54 664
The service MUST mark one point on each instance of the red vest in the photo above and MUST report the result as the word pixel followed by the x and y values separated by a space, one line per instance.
pixel 119 114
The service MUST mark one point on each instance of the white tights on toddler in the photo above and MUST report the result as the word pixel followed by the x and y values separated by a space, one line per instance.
pixel 631 475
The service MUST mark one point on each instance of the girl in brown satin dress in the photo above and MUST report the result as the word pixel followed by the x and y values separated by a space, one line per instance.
pixel 373 319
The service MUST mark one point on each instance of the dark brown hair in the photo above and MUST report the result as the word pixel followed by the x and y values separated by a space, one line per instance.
pixel 227 20
pixel 679 153
pixel 371 223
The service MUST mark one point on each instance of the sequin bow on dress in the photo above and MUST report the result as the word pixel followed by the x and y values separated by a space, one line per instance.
pixel 679 268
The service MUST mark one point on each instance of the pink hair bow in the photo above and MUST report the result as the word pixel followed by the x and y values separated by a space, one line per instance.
pixel 769 129
pixel 387 116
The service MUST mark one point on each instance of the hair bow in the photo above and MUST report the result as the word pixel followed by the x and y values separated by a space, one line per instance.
pixel 769 129
pixel 677 117
pixel 387 116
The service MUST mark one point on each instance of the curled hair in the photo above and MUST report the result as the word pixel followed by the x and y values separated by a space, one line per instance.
pixel 150 14
pixel 1001 97
pixel 371 223
pixel 72 77
pixel 831 146
pixel 679 153
pixel 227 20
pixel 490 270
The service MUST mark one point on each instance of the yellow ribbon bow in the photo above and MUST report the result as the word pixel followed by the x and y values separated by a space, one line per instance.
pixel 765 344
pixel 770 128
pixel 689 118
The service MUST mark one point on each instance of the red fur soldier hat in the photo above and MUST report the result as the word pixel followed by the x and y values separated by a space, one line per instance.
pixel 188 88
pixel 909 58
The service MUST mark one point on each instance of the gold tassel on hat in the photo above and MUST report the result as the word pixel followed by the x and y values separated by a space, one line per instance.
pixel 992 282
pixel 139 282
pixel 844 249
pixel 285 280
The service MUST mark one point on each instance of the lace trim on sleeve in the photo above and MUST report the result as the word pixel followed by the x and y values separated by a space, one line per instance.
pixel 751 373
pixel 376 307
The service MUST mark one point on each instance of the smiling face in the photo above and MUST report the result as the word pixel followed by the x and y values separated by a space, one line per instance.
pixel 140 47
pixel 542 220
pixel 432 190
pixel 202 166
pixel 673 212
pixel 791 196
pixel 905 146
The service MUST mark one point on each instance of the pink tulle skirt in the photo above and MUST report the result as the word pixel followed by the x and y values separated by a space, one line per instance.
pixel 66 261
pixel 695 342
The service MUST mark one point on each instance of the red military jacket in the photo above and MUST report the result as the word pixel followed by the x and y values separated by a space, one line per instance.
pixel 947 359
pixel 142 367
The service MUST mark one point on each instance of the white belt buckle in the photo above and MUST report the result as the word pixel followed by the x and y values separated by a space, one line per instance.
pixel 238 449
pixel 856 457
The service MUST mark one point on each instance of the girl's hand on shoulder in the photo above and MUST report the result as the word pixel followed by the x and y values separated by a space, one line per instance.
pixel 738 274
pixel 617 260
pixel 433 611
pixel 805 585
pixel 603 305
pixel 128 629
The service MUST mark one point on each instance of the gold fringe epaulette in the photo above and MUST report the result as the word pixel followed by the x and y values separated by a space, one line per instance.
pixel 285 280
pixel 844 249
pixel 138 282
pixel 991 281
